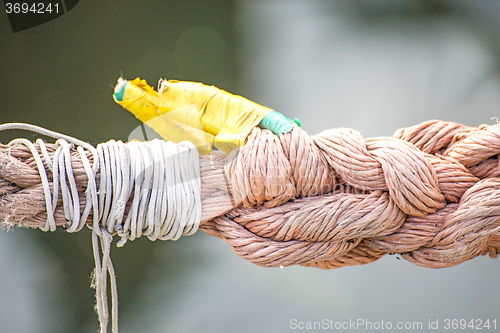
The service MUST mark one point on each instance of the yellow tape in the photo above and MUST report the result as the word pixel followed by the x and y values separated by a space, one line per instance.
pixel 204 115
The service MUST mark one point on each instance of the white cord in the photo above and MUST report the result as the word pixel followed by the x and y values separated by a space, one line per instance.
pixel 163 178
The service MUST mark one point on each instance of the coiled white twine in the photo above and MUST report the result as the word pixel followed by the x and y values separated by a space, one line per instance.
pixel 163 177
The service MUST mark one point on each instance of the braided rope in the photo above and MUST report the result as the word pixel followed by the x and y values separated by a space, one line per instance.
pixel 429 193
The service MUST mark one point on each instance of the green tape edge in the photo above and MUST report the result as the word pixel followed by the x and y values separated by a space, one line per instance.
pixel 278 123
pixel 119 94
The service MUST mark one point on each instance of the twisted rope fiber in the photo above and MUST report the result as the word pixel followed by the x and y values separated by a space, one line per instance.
pixel 163 177
pixel 429 193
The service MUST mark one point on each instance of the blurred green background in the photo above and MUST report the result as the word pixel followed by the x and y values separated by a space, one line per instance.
pixel 374 66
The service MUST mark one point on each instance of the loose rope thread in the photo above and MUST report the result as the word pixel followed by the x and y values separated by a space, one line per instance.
pixel 160 179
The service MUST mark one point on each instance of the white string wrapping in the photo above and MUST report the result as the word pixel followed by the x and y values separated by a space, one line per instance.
pixel 163 179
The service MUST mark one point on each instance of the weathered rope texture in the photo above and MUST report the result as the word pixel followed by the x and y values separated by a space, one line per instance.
pixel 430 193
